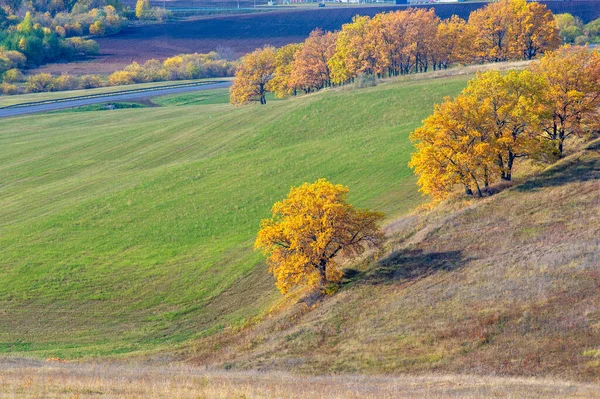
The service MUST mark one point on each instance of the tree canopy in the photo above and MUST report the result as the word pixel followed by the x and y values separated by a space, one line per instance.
pixel 310 230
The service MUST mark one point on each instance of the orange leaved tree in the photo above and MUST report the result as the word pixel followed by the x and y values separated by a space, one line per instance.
pixel 252 76
pixel 572 96
pixel 310 230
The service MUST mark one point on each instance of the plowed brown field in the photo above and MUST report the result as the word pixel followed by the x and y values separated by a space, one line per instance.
pixel 244 33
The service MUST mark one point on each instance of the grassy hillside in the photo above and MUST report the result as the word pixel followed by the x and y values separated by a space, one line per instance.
pixel 131 230
pixel 506 285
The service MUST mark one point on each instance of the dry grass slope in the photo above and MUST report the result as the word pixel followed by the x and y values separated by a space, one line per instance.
pixel 20 378
pixel 505 286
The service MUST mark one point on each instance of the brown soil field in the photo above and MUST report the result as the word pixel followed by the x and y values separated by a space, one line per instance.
pixel 244 33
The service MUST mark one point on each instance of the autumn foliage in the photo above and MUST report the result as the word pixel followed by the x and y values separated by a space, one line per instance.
pixel 311 230
pixel 476 139
pixel 252 76
pixel 398 43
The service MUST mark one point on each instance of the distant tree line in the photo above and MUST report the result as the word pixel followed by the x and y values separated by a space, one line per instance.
pixel 179 67
pixel 397 43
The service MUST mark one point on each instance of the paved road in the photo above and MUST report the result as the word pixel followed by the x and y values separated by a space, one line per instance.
pixel 32 109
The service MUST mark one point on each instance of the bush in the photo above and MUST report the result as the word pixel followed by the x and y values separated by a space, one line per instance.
pixel 79 46
pixel 364 80
pixel 90 82
pixel 121 78
pixel 8 89
pixel 65 82
pixel 97 29
pixel 13 75
pixel 39 83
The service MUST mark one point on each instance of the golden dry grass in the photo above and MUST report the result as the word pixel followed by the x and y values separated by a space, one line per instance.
pixel 24 378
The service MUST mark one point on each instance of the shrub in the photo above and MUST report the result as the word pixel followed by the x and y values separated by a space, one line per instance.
pixel 121 78
pixel 362 81
pixel 39 83
pixel 13 75
pixel 8 89
pixel 97 29
pixel 79 46
pixel 65 82
pixel 90 82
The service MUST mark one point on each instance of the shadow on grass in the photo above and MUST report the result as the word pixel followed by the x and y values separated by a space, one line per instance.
pixel 576 171
pixel 406 265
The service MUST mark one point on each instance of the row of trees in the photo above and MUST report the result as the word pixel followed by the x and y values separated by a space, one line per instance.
pixel 54 7
pixel 476 139
pixel 95 22
pixel 40 44
pixel 180 67
pixel 396 43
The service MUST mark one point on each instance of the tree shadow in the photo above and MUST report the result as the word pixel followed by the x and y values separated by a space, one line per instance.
pixel 572 171
pixel 406 265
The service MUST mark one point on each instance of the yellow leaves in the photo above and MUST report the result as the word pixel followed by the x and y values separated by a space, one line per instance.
pixel 572 96
pixel 283 84
pixel 513 29
pixel 395 43
pixel 476 138
pixel 252 77
pixel 310 229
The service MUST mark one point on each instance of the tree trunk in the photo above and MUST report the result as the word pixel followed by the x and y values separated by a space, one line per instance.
pixel 561 143
pixel 509 166
pixel 323 273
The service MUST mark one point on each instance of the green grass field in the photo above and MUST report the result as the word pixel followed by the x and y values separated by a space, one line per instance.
pixel 131 230
pixel 33 97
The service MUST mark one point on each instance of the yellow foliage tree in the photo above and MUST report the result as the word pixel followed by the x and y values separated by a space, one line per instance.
pixel 142 7
pixel 452 149
pixel 513 29
pixel 354 52
pixel 283 84
pixel 511 106
pixel 252 77
pixel 453 42
pixel 572 96
pixel 538 31
pixel 310 230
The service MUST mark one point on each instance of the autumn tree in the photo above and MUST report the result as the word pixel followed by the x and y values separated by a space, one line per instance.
pixel 311 230
pixel 453 43
pixel 572 96
pixel 354 53
pixel 511 108
pixel 453 150
pixel 424 24
pixel 537 32
pixel 493 24
pixel 142 7
pixel 283 84
pixel 310 70
pixel 513 29
pixel 252 76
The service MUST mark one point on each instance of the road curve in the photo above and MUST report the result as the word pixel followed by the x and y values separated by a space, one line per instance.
pixel 33 109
